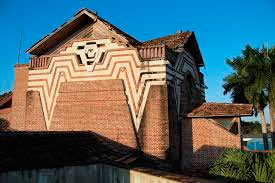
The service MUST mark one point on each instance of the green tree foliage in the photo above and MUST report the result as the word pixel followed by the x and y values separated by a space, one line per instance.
pixel 243 166
pixel 253 81
pixel 253 127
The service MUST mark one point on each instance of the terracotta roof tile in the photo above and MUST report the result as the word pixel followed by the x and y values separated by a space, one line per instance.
pixel 36 150
pixel 173 41
pixel 221 110
pixel 57 149
pixel 5 98
pixel 177 42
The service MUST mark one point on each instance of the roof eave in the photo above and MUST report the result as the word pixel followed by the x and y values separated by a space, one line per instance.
pixel 6 99
pixel 200 58
pixel 218 116
pixel 47 37
pixel 94 18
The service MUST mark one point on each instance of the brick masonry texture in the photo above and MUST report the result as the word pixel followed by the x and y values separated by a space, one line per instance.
pixel 203 141
pixel 34 114
pixel 68 86
pixel 102 107
pixel 154 130
pixel 99 106
pixel 18 112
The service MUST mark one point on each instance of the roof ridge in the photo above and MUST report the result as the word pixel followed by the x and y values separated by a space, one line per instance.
pixel 83 9
pixel 214 109
pixel 170 35
pixel 225 103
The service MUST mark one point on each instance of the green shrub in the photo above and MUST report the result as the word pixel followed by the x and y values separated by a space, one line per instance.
pixel 243 166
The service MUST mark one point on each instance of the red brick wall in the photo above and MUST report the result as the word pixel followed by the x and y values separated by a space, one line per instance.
pixel 154 128
pixel 18 113
pixel 34 115
pixel 99 106
pixel 203 141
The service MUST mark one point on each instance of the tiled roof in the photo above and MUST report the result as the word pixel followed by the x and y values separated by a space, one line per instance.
pixel 33 150
pixel 173 41
pixel 177 42
pixel 4 125
pixel 221 110
pixel 5 98
pixel 36 150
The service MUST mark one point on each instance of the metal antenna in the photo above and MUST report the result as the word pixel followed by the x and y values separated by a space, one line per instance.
pixel 20 44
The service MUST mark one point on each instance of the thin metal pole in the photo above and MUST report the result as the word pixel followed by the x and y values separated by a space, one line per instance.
pixel 20 44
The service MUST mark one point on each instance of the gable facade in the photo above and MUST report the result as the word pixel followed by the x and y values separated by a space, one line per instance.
pixel 89 75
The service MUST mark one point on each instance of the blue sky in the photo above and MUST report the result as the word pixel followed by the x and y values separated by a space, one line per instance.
pixel 222 28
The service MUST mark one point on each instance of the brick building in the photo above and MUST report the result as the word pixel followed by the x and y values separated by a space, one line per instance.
pixel 89 75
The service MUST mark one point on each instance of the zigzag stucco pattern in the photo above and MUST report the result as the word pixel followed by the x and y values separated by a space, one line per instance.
pixel 122 64
pixel 175 75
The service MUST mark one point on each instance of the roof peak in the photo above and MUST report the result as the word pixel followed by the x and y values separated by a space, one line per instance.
pixel 81 18
pixel 85 9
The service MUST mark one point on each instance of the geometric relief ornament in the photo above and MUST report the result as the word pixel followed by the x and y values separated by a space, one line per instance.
pixel 91 52
pixel 185 64
pixel 118 63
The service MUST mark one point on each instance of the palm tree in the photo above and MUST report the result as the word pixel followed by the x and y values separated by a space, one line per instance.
pixel 247 83
pixel 272 95
pixel 269 59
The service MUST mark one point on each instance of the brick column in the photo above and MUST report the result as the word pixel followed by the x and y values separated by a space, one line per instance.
pixel 154 128
pixel 18 112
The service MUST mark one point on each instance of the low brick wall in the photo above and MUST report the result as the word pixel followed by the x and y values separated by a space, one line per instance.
pixel 203 141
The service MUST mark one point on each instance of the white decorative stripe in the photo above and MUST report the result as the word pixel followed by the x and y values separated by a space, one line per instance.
pixel 118 64
pixel 104 60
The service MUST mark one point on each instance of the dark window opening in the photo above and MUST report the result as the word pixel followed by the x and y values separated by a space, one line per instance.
pixel 79 61
pixel 90 43
pixel 80 47
pixel 100 45
pixel 101 57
